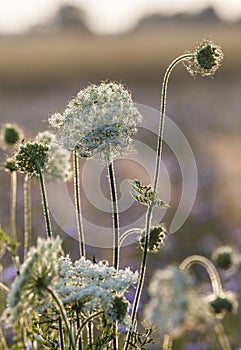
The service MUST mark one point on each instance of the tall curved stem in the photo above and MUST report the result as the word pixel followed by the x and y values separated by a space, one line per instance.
pixel 156 178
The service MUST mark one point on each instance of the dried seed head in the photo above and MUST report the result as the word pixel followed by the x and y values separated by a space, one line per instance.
pixel 158 234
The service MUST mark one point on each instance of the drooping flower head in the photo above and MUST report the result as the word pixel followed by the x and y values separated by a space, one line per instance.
pixel 100 120
pixel 10 135
pixel 206 59
pixel 28 153
pixel 58 166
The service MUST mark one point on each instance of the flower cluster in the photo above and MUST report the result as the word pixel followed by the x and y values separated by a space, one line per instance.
pixel 38 273
pixel 58 166
pixel 101 119
pixel 28 154
pixel 92 287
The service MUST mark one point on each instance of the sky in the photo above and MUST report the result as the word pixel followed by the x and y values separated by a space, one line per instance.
pixel 105 16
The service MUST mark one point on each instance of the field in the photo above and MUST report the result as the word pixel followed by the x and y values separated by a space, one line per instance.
pixel 39 72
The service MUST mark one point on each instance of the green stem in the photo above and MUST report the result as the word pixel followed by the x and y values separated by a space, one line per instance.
pixel 60 306
pixel 77 203
pixel 90 335
pixel 27 214
pixel 156 178
pixel 128 233
pixel 13 195
pixel 221 335
pixel 209 267
pixel 44 200
pixel 61 334
pixel 115 214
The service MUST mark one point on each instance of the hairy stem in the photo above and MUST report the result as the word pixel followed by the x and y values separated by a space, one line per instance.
pixel 115 214
pixel 13 195
pixel 77 203
pixel 156 178
pixel 61 337
pixel 128 233
pixel 4 288
pixel 27 214
pixel 209 267
pixel 167 342
pixel 221 335
pixel 44 200
pixel 80 330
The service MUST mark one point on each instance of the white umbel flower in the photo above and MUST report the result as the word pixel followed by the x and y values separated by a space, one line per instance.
pixel 58 166
pixel 100 120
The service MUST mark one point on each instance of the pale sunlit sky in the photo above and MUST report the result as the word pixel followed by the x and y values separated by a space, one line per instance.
pixel 105 16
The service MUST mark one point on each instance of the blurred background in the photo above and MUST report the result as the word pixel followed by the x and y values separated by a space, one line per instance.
pixel 51 49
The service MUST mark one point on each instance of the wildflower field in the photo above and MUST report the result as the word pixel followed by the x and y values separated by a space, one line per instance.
pixel 120 229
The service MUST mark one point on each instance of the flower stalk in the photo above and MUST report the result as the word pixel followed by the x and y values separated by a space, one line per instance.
pixel 27 214
pixel 78 203
pixel 44 200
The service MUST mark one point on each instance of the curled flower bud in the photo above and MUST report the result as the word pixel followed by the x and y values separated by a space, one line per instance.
pixel 10 135
pixel 222 304
pixel 101 119
pixel 206 59
pixel 157 238
pixel 27 155
pixel 224 257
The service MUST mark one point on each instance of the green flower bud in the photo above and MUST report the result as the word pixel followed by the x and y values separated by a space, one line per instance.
pixel 206 59
pixel 10 134
pixel 119 309
pixel 222 304
pixel 10 165
pixel 224 257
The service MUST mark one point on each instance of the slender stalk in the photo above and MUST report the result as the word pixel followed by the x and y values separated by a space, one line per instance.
pixel 85 323
pixel 141 278
pixel 64 316
pixel 4 288
pixel 61 337
pixel 77 203
pixel 221 335
pixel 115 213
pixel 3 341
pixel 44 200
pixel 90 335
pixel 13 195
pixel 128 233
pixel 156 178
pixel 27 214
pixel 167 342
pixel 209 267
pixel 162 115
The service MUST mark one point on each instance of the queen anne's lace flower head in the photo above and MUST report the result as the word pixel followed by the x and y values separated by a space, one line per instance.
pixel 38 272
pixel 206 59
pixel 58 166
pixel 101 119
pixel 92 287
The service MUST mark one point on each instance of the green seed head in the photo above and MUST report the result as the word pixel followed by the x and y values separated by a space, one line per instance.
pixel 27 155
pixel 224 257
pixel 10 135
pixel 10 165
pixel 205 60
